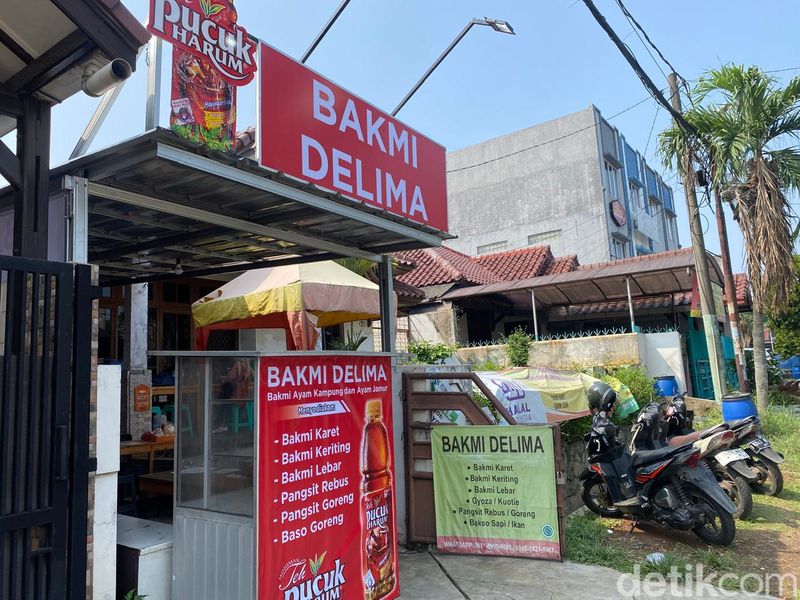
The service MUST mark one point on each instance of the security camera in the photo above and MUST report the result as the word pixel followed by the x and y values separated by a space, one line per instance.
pixel 98 83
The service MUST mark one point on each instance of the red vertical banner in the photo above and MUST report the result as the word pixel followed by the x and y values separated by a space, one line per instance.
pixel 326 503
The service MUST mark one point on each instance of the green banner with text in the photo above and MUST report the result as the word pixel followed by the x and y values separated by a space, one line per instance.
pixel 495 491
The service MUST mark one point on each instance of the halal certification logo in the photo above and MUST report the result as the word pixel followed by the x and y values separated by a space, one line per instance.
pixel 547 531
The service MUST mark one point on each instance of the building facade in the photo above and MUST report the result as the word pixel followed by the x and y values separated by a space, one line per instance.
pixel 572 183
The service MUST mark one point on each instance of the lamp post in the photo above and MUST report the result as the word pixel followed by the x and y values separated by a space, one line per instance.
pixel 496 24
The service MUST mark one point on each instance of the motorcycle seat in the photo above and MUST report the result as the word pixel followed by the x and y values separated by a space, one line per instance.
pixel 643 457
pixel 736 424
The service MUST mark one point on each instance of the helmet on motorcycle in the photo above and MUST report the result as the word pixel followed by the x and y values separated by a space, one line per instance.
pixel 601 396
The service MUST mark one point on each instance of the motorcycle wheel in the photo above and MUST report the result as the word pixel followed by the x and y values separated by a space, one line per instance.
pixel 597 499
pixel 773 484
pixel 721 530
pixel 738 491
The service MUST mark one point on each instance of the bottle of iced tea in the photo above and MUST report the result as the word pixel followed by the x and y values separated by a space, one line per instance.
pixel 376 503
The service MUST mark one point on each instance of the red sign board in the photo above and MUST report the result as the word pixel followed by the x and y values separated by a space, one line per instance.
pixel 319 132
pixel 326 516
pixel 208 29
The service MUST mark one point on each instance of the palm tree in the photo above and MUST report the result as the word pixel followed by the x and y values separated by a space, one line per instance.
pixel 747 127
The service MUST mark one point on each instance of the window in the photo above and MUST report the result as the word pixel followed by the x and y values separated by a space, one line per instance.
pixel 611 180
pixel 637 196
pixel 653 208
pixel 618 248
pixel 537 238
pixel 494 247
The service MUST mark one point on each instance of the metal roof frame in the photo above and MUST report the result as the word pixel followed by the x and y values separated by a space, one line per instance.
pixel 157 199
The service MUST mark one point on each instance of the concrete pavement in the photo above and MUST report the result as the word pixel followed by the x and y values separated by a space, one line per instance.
pixel 426 576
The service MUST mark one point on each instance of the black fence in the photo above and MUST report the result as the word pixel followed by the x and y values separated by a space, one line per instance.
pixel 45 375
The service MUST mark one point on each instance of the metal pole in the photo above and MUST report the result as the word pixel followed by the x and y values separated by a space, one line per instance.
pixel 630 303
pixel 438 61
pixel 99 116
pixel 324 31
pixel 387 304
pixel 153 108
pixel 700 260
pixel 535 320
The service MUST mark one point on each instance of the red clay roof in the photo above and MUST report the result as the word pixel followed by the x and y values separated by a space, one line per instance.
pixel 563 264
pixel 436 266
pixel 517 264
pixel 663 301
pixel 742 289
pixel 640 258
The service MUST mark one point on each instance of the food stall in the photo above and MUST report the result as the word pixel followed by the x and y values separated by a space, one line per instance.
pixel 285 480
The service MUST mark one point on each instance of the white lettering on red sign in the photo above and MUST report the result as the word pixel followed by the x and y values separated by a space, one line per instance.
pixel 319 132
pixel 208 29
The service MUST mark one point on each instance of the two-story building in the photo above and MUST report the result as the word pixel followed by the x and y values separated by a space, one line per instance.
pixel 573 183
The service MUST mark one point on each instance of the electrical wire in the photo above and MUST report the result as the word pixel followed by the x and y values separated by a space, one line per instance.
pixel 653 126
pixel 636 28
pixel 540 144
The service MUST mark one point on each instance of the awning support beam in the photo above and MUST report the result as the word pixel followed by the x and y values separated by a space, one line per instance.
pixel 387 304
pixel 535 319
pixel 630 304
pixel 205 216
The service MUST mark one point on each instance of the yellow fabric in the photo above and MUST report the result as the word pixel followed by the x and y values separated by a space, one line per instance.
pixel 283 299
pixel 560 390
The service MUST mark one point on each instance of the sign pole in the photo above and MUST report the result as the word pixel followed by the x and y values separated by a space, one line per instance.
pixel 153 108
pixel 535 320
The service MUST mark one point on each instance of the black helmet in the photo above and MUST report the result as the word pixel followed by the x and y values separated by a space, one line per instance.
pixel 601 396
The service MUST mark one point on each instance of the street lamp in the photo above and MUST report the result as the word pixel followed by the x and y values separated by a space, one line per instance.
pixel 497 24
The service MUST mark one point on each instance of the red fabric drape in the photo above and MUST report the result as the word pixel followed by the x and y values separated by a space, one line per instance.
pixel 301 333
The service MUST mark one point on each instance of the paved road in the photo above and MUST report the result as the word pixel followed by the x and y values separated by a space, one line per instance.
pixel 425 576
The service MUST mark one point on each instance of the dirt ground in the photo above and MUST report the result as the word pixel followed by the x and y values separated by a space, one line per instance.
pixel 767 542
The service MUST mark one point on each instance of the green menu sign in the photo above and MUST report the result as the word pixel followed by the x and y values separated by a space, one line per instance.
pixel 495 491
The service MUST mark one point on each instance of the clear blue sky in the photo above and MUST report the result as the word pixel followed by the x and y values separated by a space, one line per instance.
pixel 560 61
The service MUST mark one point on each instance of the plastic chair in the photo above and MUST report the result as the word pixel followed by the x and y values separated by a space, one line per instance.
pixel 238 423
pixel 186 420
pixel 155 410
pixel 169 411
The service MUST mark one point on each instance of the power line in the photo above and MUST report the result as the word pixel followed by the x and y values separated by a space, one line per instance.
pixel 540 144
pixel 632 19
pixel 653 126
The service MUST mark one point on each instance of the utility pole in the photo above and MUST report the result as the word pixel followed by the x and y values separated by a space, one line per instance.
pixel 700 259
pixel 730 294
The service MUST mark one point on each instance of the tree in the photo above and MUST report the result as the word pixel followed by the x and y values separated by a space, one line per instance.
pixel 745 125
pixel 786 327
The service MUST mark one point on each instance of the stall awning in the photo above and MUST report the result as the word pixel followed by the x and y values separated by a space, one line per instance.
pixel 160 206
pixel 654 275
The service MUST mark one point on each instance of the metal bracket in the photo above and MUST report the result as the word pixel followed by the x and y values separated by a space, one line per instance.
pixel 561 479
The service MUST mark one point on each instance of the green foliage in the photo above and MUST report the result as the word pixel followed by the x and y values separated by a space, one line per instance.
pixel 487 365
pixel 638 381
pixel 780 398
pixel 774 373
pixel 481 400
pixel 574 429
pixel 350 343
pixel 429 353
pixel 132 595
pixel 589 542
pixel 359 266
pixel 786 326
pixel 518 345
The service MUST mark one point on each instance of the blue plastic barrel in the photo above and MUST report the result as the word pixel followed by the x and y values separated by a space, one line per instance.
pixel 738 406
pixel 666 385
pixel 796 371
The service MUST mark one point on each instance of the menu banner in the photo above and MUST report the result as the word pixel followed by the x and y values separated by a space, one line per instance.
pixel 495 491
pixel 326 510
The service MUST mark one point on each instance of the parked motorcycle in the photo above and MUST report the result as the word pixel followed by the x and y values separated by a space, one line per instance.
pixel 669 485
pixel 671 426
pixel 751 456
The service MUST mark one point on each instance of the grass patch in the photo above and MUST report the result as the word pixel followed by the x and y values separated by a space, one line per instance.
pixel 589 542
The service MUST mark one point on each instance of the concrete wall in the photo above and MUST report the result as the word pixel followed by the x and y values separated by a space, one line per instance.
pixel 481 354
pixel 576 353
pixel 433 323
pixel 556 186
pixel 104 525
pixel 662 355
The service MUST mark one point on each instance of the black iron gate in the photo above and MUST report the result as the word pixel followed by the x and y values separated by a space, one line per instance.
pixel 45 370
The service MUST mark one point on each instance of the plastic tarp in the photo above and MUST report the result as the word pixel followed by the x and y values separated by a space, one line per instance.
pixel 536 395
pixel 298 298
